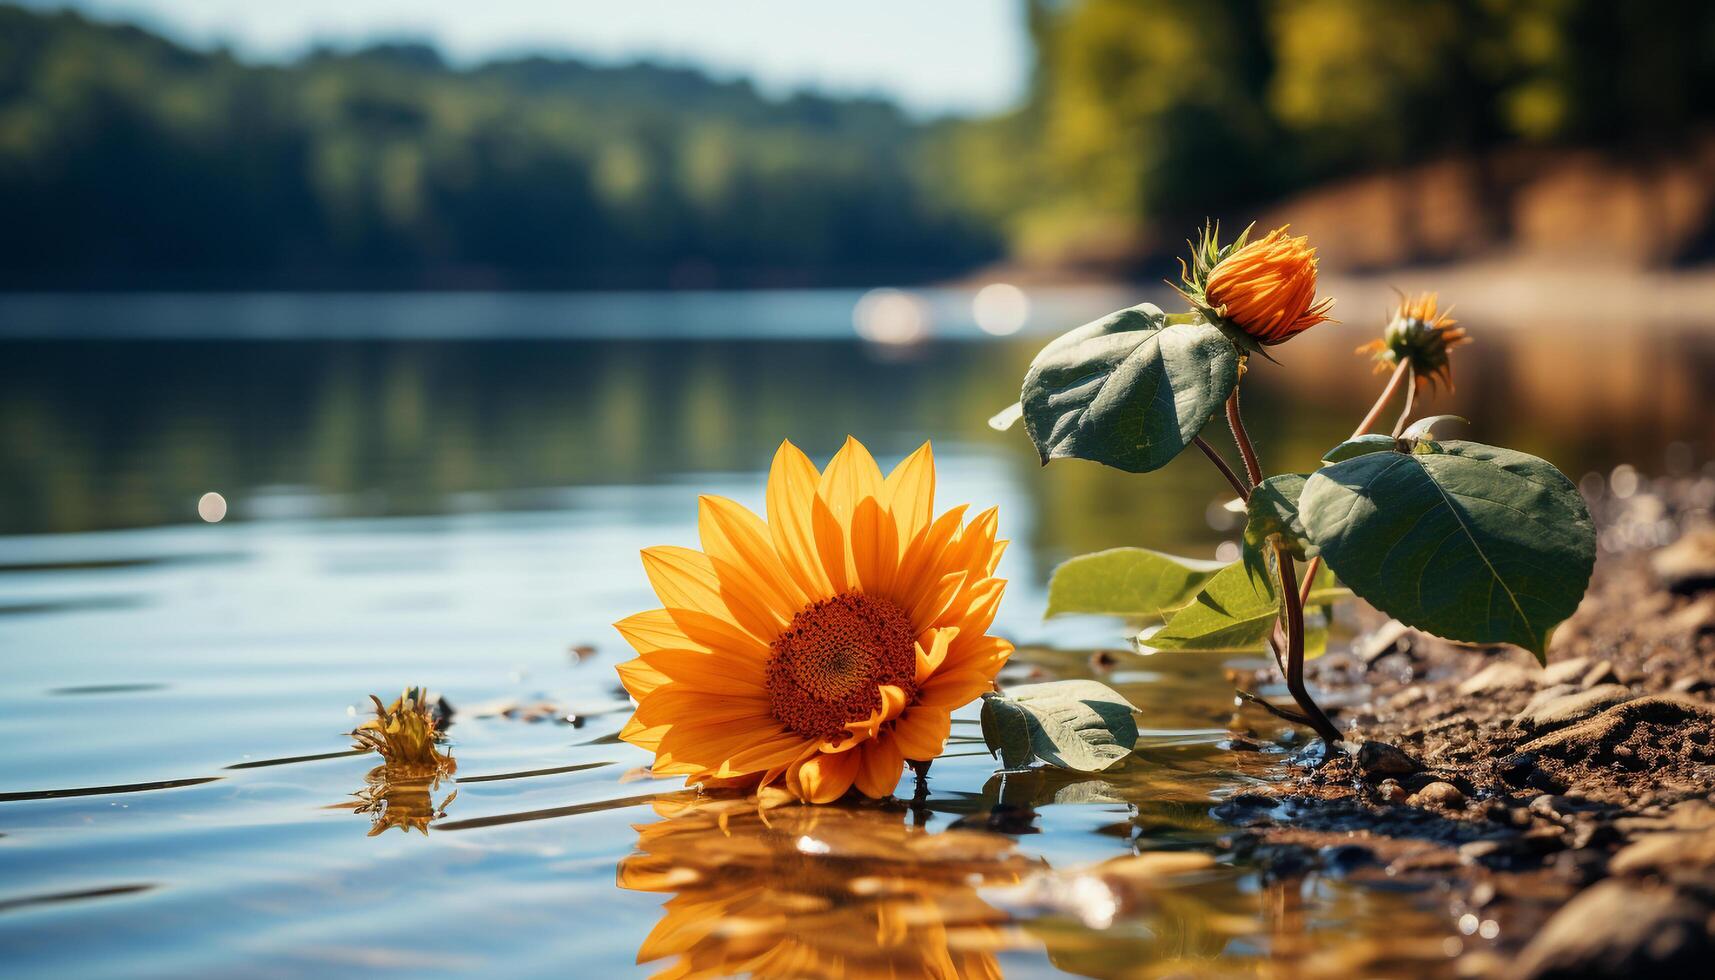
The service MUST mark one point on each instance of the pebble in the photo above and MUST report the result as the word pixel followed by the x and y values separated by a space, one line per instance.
pixel 1568 708
pixel 1563 671
pixel 1690 684
pixel 1441 796
pixel 1687 565
pixel 1616 929
pixel 1391 791
pixel 1383 759
pixel 1602 673
pixel 1500 676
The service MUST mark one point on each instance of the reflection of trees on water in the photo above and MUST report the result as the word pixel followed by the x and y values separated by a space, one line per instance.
pixel 103 434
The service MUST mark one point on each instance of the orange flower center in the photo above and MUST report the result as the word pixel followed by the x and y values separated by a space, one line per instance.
pixel 828 665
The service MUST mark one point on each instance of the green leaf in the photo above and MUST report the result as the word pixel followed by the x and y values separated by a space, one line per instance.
pixel 1234 613
pixel 1134 582
pixel 1462 540
pixel 1360 446
pixel 1273 509
pixel 1131 390
pixel 1076 724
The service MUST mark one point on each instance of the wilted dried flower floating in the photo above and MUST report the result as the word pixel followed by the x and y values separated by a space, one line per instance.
pixel 823 648
pixel 405 734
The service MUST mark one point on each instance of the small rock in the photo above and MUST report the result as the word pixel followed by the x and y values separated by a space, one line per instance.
pixel 1568 708
pixel 1563 671
pixel 1391 791
pixel 1690 684
pixel 1687 565
pixel 1616 929
pixel 1500 676
pixel 1548 694
pixel 1668 854
pixel 1698 617
pixel 1383 759
pixel 1602 673
pixel 1440 796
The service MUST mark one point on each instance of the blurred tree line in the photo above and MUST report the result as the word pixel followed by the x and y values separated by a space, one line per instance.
pixel 1150 114
pixel 126 159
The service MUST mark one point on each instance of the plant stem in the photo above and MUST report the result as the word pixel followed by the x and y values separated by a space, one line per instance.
pixel 1295 651
pixel 1381 403
pixel 1226 470
pixel 1290 597
pixel 1393 383
pixel 1236 422
pixel 1410 398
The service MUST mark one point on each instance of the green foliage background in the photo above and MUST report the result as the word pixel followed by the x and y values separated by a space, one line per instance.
pixel 128 160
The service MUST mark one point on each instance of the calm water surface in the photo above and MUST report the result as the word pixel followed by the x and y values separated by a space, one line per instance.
pixel 427 507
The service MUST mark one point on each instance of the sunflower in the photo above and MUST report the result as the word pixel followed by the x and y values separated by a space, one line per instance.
pixel 1265 288
pixel 823 648
pixel 1420 333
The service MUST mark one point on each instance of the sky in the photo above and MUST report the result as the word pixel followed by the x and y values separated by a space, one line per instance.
pixel 931 56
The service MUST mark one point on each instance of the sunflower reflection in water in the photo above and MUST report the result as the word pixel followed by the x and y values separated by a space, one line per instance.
pixel 798 891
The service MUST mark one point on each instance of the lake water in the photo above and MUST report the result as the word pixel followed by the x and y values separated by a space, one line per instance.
pixel 452 492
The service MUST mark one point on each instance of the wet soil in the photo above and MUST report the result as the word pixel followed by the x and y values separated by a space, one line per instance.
pixel 1567 811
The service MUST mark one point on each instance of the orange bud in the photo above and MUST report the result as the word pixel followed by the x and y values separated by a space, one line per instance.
pixel 1268 288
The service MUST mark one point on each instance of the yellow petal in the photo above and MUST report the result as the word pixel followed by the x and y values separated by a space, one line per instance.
pixel 921 562
pixel 951 689
pixel 652 630
pixel 640 679
pixel 893 701
pixel 875 547
pixel 851 476
pixel 711 672
pixel 684 579
pixel 825 778
pixel 734 536
pixel 831 545
pixel 930 658
pixel 880 768
pixel 922 731
pixel 792 483
pixel 910 493
pixel 717 634
pixel 932 605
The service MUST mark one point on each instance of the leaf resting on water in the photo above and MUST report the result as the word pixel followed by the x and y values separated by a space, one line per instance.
pixel 1074 724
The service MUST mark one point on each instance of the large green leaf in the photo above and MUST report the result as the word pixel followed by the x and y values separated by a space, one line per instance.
pixel 1234 612
pixel 1076 724
pixel 1462 540
pixel 1130 390
pixel 1133 582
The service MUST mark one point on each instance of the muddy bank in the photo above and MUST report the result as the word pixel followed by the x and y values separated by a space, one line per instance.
pixel 1567 813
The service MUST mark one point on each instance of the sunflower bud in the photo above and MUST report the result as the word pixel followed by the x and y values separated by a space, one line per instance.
pixel 1265 288
pixel 1419 334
